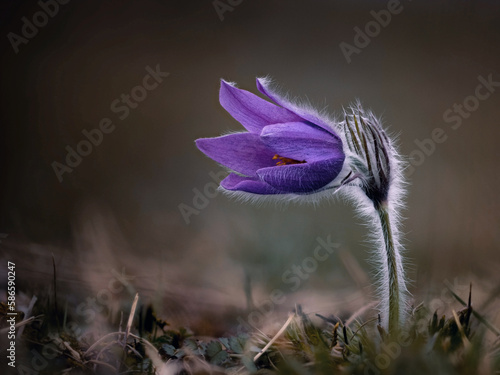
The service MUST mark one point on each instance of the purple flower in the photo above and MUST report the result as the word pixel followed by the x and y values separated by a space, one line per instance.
pixel 285 150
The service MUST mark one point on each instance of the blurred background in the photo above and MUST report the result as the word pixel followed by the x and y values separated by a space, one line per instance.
pixel 142 201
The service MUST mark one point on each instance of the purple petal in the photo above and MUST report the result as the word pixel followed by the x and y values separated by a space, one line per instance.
pixel 235 182
pixel 242 152
pixel 263 87
pixel 251 111
pixel 302 178
pixel 300 141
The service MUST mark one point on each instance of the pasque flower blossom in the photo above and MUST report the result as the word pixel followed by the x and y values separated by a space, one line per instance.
pixel 292 151
pixel 285 150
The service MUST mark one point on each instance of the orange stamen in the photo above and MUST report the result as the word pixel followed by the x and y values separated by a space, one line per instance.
pixel 286 161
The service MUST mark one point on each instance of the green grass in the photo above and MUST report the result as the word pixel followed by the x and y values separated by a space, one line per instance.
pixel 144 343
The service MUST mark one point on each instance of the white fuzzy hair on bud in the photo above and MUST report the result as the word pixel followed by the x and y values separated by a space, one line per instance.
pixel 379 198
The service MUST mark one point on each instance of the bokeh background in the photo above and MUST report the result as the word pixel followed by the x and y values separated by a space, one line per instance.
pixel 119 209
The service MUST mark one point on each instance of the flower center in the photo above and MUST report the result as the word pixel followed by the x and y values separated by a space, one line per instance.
pixel 285 161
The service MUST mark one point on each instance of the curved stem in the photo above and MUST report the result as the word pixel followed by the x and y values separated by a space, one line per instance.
pixel 395 280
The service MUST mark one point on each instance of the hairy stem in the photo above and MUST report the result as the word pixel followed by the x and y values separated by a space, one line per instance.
pixel 395 279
